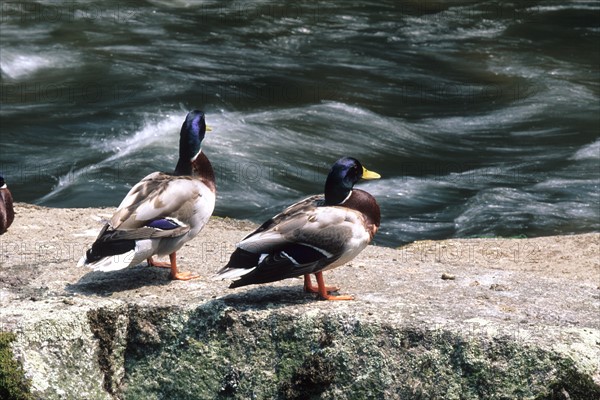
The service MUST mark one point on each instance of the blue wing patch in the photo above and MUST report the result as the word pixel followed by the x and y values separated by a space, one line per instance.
pixel 164 224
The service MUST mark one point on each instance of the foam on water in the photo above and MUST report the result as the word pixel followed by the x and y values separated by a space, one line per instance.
pixel 589 152
pixel 155 129
pixel 18 66
pixel 163 130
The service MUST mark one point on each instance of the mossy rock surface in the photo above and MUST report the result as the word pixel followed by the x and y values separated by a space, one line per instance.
pixel 13 383
pixel 216 350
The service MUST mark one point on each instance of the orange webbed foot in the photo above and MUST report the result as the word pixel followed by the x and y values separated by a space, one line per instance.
pixel 179 276
pixel 310 288
pixel 184 276
pixel 323 290
pixel 340 297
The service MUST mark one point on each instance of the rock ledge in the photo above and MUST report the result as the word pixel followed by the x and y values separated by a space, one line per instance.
pixel 454 319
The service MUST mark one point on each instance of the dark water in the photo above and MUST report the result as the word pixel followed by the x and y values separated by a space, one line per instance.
pixel 482 117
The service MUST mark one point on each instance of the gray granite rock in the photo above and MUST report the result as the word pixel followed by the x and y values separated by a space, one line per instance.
pixel 518 321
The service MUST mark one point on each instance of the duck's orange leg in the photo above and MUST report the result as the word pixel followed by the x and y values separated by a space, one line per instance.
pixel 182 276
pixel 176 275
pixel 310 288
pixel 323 290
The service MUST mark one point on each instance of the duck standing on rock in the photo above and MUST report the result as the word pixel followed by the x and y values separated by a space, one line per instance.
pixel 319 233
pixel 162 211
pixel 7 212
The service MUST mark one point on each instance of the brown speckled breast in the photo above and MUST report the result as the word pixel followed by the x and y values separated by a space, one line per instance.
pixel 367 205
pixel 202 168
pixel 7 213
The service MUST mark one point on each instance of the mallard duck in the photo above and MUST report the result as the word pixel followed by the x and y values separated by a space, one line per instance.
pixel 7 213
pixel 314 235
pixel 162 211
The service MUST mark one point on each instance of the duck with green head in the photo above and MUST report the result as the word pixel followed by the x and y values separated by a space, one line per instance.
pixel 162 211
pixel 314 235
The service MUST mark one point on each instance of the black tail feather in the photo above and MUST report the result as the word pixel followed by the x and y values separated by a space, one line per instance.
pixel 241 258
pixel 105 248
pixel 291 261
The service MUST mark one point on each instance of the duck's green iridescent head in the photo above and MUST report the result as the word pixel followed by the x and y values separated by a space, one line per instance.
pixel 190 140
pixel 344 174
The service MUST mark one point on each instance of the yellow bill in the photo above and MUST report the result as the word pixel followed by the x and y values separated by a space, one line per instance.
pixel 370 174
pixel 208 128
